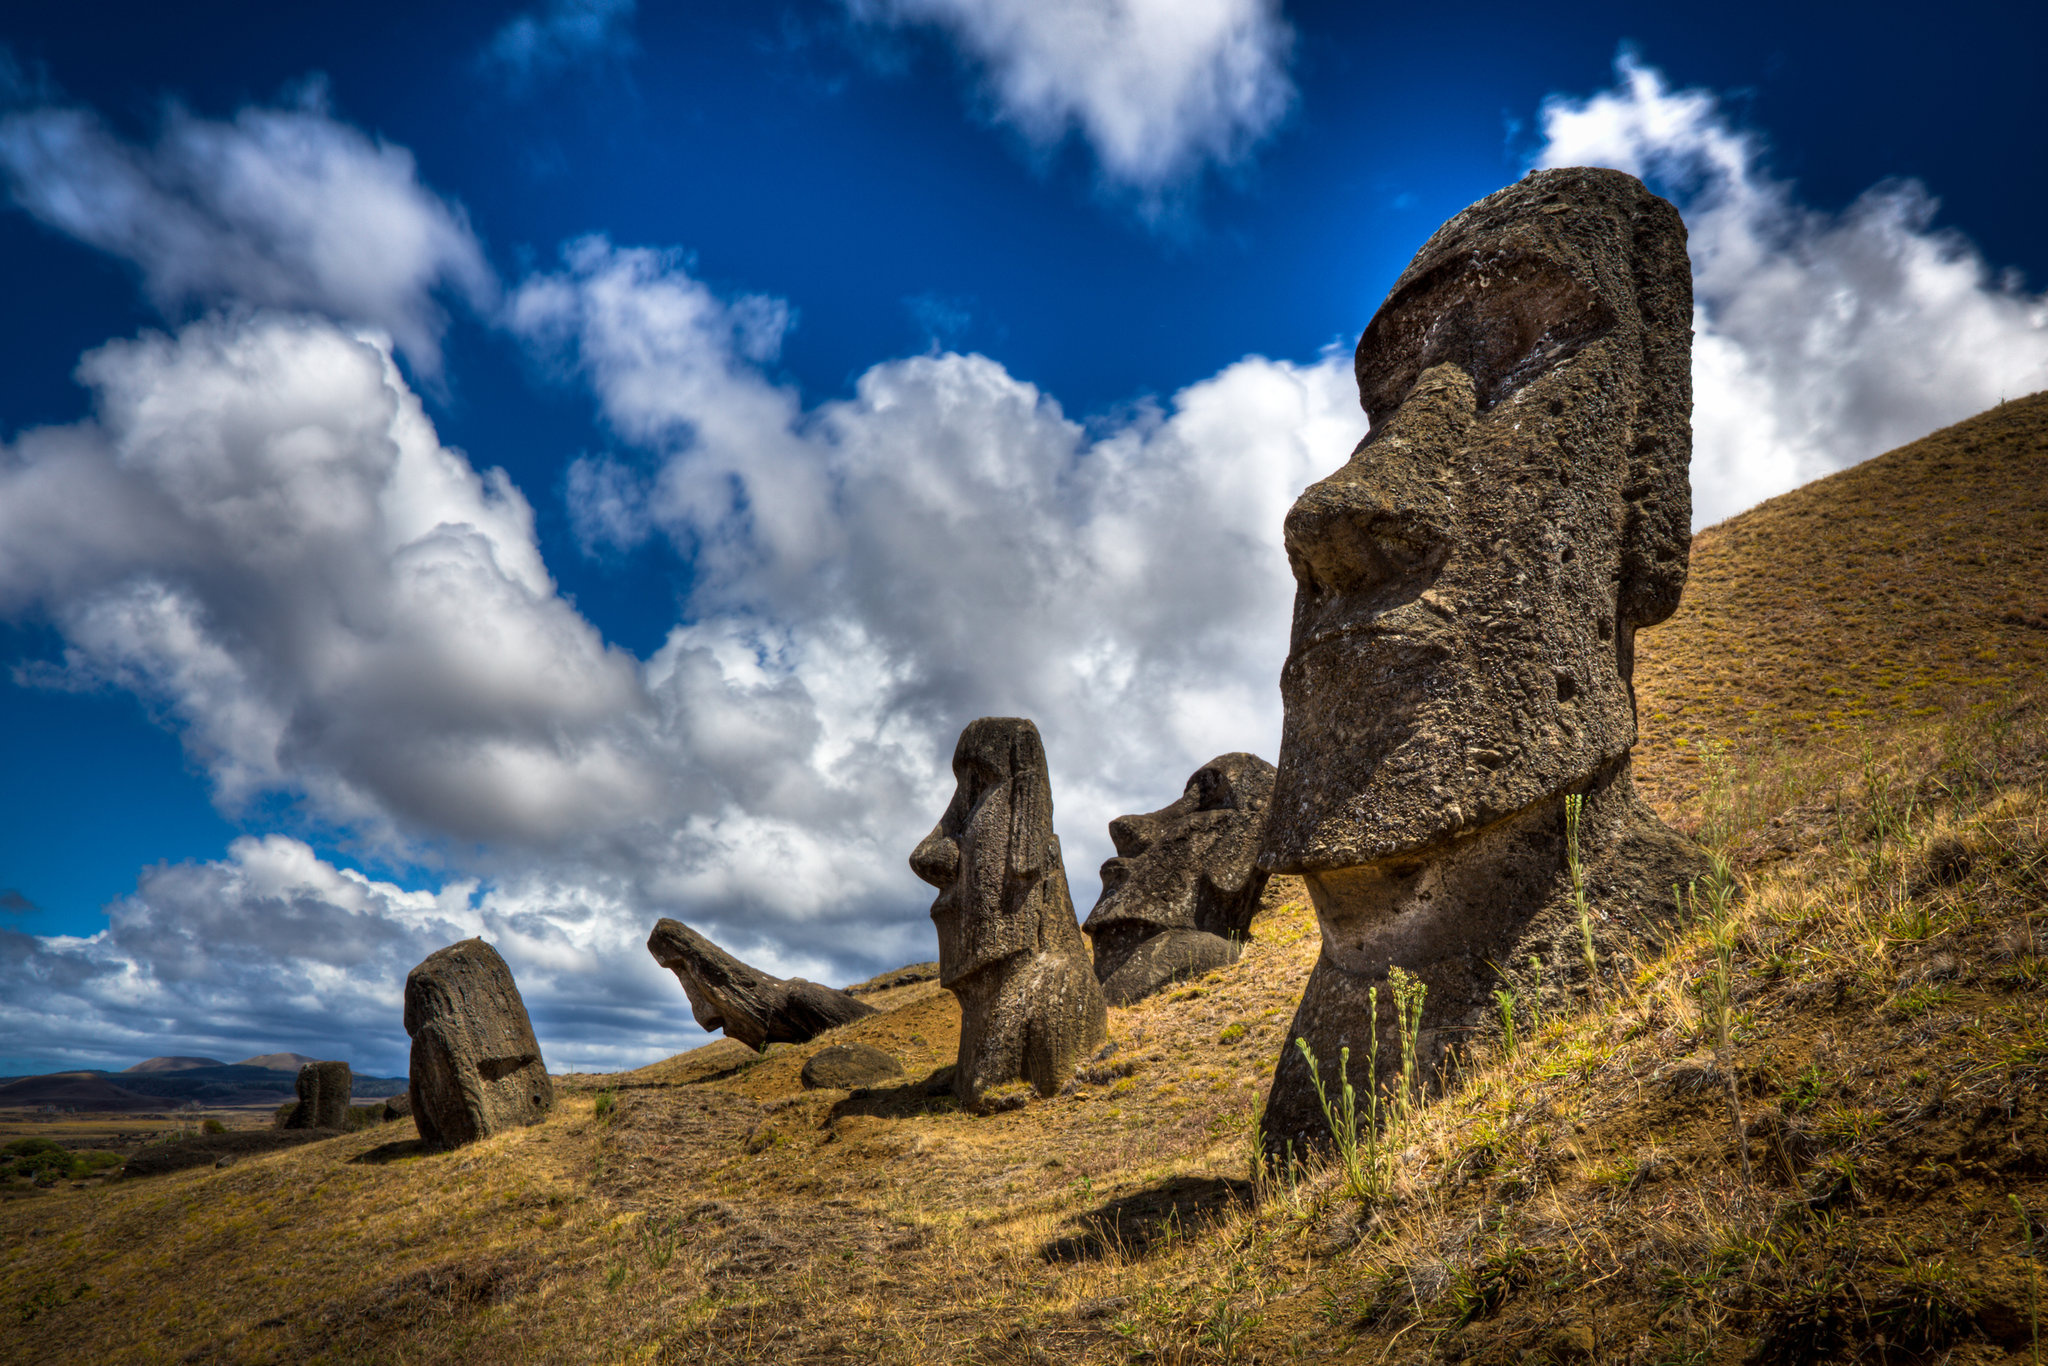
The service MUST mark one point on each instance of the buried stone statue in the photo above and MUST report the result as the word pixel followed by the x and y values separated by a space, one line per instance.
pixel 1468 589
pixel 1009 947
pixel 1179 897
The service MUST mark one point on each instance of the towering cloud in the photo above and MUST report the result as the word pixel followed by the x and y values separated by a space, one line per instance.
pixel 1821 339
pixel 1157 88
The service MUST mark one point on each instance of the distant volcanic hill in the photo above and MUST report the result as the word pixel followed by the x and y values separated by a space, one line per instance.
pixel 74 1091
pixel 173 1064
pixel 282 1062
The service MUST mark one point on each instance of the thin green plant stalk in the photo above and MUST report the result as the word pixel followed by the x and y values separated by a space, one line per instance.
pixel 2033 1275
pixel 1574 807
pixel 1720 997
pixel 1504 1001
pixel 1359 1148
pixel 1409 991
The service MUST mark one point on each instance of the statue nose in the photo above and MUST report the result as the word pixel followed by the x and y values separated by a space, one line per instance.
pixel 1132 835
pixel 1347 538
pixel 937 859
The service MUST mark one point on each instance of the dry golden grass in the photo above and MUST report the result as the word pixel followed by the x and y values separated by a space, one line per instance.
pixel 1590 1197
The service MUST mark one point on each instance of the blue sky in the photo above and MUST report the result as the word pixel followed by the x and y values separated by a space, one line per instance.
pixel 531 470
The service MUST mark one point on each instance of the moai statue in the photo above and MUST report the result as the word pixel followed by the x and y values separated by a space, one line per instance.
pixel 1009 947
pixel 476 1067
pixel 323 1097
pixel 1468 589
pixel 1179 897
pixel 746 1003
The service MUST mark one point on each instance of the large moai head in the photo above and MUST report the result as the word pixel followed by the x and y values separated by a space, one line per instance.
pixel 994 856
pixel 1468 589
pixel 1469 585
pixel 1009 947
pixel 1181 892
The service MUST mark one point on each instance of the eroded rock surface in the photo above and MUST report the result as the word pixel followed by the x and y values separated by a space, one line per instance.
pixel 1009 946
pixel 323 1097
pixel 476 1067
pixel 846 1066
pixel 1468 589
pixel 746 1003
pixel 1179 897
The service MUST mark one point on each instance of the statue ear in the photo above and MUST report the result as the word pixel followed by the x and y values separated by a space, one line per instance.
pixel 1030 806
pixel 1656 540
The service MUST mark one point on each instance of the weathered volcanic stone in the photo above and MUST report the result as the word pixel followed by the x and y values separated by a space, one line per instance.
pixel 398 1106
pixel 1009 947
pixel 847 1066
pixel 1468 589
pixel 476 1067
pixel 1179 897
pixel 323 1097
pixel 745 1002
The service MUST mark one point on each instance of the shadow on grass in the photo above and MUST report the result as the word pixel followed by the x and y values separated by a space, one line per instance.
pixel 1134 1224
pixel 392 1152
pixel 932 1095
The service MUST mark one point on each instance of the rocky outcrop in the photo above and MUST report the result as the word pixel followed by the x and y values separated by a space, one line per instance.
pixel 1179 897
pixel 1009 946
pixel 849 1066
pixel 323 1097
pixel 744 1002
pixel 1468 589
pixel 476 1066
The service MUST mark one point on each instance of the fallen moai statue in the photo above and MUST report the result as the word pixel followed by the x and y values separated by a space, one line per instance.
pixel 1179 897
pixel 1468 589
pixel 476 1067
pixel 1009 947
pixel 745 1002
pixel 323 1097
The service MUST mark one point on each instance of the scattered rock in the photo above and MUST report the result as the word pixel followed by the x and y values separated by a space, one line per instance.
pixel 1009 948
pixel 476 1067
pixel 748 1004
pixel 849 1066
pixel 1179 897
pixel 1468 589
pixel 398 1106
pixel 323 1097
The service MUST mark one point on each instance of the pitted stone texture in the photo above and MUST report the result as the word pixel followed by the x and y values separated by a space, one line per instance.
pixel 1009 947
pixel 746 1003
pixel 323 1097
pixel 846 1066
pixel 1180 895
pixel 1468 589
pixel 476 1067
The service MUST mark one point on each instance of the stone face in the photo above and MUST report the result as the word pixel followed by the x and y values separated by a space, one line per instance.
pixel 1009 947
pixel 848 1066
pixel 476 1067
pixel 323 1097
pixel 745 1002
pixel 1468 589
pixel 1179 897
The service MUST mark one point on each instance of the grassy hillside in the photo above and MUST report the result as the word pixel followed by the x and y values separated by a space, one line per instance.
pixel 1812 1129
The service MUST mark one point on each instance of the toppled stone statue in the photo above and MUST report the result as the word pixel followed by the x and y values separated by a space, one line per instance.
pixel 323 1097
pixel 476 1067
pixel 1468 589
pixel 1179 897
pixel 1009 946
pixel 745 1002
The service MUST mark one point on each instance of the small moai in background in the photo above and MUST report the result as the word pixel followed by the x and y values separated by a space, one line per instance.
pixel 1009 946
pixel 323 1097
pixel 1179 897
pixel 476 1066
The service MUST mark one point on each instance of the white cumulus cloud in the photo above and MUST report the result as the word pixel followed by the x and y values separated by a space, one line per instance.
pixel 1820 339
pixel 286 208
pixel 1157 88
